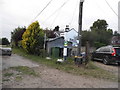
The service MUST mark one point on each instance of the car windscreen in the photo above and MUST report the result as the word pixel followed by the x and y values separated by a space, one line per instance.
pixel 117 51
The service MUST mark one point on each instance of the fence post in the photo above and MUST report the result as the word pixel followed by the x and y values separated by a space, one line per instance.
pixel 87 51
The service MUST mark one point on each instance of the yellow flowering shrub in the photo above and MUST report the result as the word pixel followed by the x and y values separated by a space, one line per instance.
pixel 33 38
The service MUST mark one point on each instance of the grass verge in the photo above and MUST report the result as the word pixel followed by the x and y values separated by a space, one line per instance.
pixel 90 70
pixel 6 80
pixel 25 70
pixel 8 74
pixel 18 78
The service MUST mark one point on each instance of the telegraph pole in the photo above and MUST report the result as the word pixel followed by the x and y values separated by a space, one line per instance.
pixel 80 26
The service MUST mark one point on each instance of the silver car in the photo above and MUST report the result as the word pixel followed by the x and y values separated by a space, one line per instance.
pixel 5 51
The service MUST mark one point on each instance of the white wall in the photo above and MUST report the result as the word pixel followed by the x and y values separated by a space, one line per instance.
pixel 71 34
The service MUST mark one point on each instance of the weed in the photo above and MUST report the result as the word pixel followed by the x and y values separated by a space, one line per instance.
pixel 18 78
pixel 25 70
pixel 8 74
pixel 5 80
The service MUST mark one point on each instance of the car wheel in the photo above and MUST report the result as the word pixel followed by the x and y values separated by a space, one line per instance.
pixel 106 60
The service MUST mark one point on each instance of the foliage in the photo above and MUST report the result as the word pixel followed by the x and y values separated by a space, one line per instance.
pixel 4 41
pixel 25 70
pixel 20 44
pixel 99 25
pixel 98 44
pixel 16 35
pixel 99 34
pixel 33 39
pixel 49 33
pixel 8 74
pixel 116 33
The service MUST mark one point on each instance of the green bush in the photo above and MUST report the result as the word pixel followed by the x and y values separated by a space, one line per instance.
pixel 20 44
pixel 33 39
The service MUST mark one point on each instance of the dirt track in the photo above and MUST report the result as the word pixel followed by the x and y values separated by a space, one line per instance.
pixel 52 78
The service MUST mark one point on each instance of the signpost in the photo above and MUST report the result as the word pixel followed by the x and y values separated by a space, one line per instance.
pixel 65 43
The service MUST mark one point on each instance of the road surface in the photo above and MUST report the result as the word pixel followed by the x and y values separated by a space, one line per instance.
pixel 49 77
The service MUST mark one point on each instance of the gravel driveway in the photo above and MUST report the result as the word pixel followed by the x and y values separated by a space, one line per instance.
pixel 49 77
pixel 113 68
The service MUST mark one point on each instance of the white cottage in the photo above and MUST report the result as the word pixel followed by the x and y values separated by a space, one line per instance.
pixel 72 36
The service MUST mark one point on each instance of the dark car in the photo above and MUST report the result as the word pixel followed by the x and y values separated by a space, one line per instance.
pixel 107 54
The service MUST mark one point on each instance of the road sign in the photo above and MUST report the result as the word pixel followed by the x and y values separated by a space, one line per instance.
pixel 65 43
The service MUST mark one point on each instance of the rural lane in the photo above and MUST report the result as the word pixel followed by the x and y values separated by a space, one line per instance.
pixel 49 77
pixel 15 60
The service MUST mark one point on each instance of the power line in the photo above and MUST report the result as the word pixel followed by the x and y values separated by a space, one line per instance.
pixel 74 13
pixel 58 9
pixel 111 8
pixel 55 18
pixel 59 12
pixel 42 10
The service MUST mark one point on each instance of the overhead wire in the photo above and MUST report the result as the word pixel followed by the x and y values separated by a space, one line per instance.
pixel 111 8
pixel 42 9
pixel 57 10
pixel 55 19
pixel 74 13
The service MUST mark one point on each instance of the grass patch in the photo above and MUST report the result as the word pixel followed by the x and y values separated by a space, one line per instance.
pixel 8 74
pixel 70 67
pixel 18 78
pixel 5 80
pixel 25 70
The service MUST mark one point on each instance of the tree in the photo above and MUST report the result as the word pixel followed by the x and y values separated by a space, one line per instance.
pixel 99 25
pixel 99 34
pixel 116 33
pixel 33 39
pixel 4 41
pixel 16 35
pixel 49 33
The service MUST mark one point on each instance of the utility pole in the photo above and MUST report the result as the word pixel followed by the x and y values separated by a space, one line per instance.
pixel 80 26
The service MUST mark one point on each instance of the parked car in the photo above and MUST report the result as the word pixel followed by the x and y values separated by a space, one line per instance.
pixel 5 51
pixel 107 54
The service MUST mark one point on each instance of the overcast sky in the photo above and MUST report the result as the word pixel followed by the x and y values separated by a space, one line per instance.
pixel 14 13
